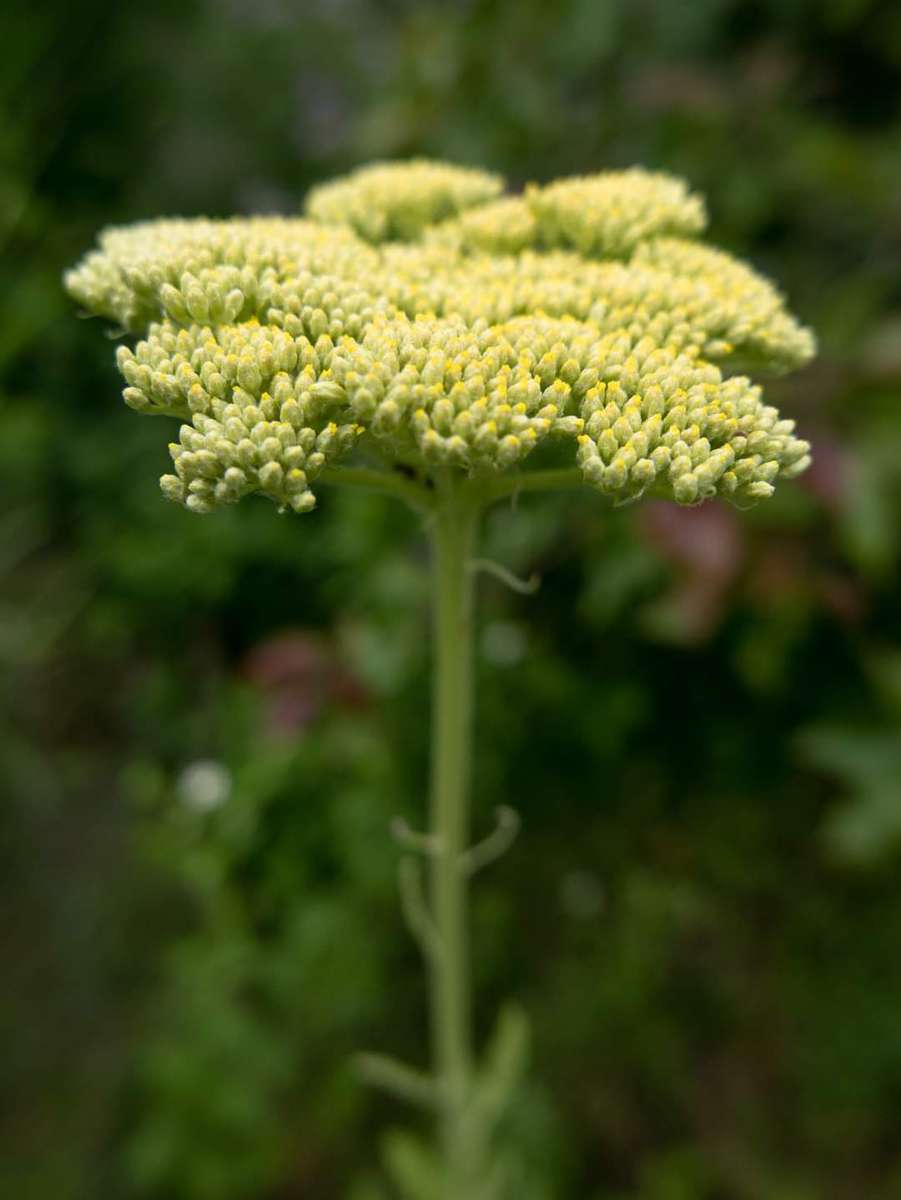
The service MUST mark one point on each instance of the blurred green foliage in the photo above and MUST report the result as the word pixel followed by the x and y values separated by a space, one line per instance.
pixel 207 724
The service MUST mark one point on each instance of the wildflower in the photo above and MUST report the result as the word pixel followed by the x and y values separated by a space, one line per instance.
pixel 417 318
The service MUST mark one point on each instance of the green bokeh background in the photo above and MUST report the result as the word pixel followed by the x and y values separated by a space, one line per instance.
pixel 208 723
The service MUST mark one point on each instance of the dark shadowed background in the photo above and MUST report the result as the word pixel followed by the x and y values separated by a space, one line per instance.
pixel 207 723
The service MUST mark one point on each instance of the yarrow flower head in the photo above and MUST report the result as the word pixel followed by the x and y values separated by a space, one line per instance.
pixel 416 318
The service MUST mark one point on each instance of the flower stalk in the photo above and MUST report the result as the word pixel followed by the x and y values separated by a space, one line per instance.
pixel 453 535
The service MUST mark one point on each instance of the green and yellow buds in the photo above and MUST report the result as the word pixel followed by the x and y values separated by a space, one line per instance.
pixel 417 317
pixel 608 215
pixel 398 201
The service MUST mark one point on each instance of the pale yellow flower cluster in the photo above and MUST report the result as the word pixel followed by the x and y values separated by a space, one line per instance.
pixel 596 216
pixel 393 324
pixel 400 200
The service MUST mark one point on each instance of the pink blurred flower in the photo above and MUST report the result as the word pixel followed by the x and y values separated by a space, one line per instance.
pixel 298 675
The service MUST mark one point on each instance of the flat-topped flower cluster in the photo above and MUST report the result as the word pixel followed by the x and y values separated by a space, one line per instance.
pixel 416 318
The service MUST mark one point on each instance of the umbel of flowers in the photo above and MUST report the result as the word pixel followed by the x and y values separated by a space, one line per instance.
pixel 413 318
pixel 420 332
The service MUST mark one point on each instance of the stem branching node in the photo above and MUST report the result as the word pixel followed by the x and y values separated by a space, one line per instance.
pixel 429 844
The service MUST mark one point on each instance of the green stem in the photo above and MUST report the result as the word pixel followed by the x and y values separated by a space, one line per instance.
pixel 532 481
pixel 453 535
pixel 392 483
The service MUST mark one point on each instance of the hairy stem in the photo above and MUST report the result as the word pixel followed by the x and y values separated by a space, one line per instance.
pixel 453 535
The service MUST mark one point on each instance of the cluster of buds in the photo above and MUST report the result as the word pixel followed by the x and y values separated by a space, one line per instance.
pixel 414 317
pixel 398 201
pixel 595 216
